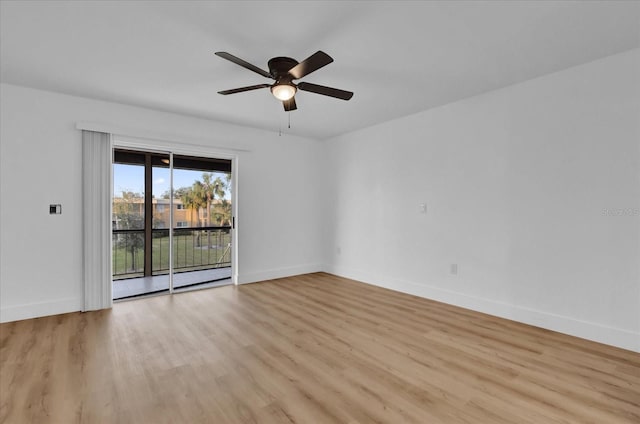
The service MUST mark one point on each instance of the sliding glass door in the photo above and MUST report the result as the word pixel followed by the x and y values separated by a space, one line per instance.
pixel 171 222
pixel 202 223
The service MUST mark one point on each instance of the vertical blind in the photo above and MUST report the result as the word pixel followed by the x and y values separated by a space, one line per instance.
pixel 96 199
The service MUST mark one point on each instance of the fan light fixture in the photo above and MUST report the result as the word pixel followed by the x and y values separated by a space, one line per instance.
pixel 284 70
pixel 283 91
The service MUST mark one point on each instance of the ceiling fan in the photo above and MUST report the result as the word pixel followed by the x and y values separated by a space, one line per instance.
pixel 284 70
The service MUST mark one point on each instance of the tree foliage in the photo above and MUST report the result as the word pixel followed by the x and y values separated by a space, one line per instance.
pixel 128 212
pixel 208 194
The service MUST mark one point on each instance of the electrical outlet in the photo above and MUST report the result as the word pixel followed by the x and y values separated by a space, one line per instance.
pixel 423 208
pixel 338 250
pixel 454 269
pixel 55 209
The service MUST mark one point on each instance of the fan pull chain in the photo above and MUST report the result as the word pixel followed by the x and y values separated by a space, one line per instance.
pixel 289 119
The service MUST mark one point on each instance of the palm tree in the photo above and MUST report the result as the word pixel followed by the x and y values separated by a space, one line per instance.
pixel 211 188
pixel 207 189
pixel 220 189
pixel 192 201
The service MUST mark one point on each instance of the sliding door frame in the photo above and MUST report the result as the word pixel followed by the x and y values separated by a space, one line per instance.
pixel 163 147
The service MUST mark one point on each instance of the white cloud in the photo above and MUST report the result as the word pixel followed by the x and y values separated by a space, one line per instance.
pixel 158 181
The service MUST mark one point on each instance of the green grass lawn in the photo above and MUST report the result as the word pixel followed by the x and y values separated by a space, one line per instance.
pixel 190 253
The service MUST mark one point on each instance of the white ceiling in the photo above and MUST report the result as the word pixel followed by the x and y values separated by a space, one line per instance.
pixel 398 57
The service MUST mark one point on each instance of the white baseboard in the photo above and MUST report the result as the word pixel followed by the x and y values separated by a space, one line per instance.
pixel 618 337
pixel 278 273
pixel 40 309
pixel 588 330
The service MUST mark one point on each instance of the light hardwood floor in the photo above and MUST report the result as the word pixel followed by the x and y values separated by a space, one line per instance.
pixel 308 349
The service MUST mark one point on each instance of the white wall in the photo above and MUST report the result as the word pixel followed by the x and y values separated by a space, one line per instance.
pixel 515 182
pixel 40 163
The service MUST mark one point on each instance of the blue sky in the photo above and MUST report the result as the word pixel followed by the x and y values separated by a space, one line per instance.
pixel 131 178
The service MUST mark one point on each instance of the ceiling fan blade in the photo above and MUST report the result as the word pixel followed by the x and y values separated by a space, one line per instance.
pixel 325 91
pixel 310 64
pixel 243 63
pixel 241 89
pixel 290 104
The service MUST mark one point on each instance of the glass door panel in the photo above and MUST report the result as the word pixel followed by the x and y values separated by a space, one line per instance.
pixel 202 224
pixel 140 232
pixel 128 221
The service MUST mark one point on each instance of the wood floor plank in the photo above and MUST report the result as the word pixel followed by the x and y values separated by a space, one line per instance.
pixel 311 349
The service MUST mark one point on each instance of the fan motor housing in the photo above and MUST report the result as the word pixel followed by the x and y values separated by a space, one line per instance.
pixel 279 66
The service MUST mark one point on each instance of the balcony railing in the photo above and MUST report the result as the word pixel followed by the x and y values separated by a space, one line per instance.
pixel 194 248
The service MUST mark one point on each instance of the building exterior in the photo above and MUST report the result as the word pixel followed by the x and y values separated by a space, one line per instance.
pixel 128 213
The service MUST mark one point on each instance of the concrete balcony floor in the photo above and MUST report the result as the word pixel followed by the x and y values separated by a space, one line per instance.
pixel 132 287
